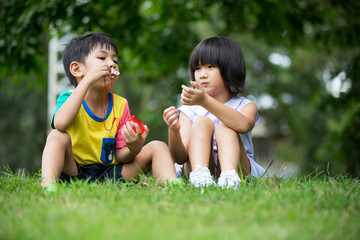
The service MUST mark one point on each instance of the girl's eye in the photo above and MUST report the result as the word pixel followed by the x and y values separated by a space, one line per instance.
pixel 211 66
pixel 101 58
pixel 115 61
pixel 197 68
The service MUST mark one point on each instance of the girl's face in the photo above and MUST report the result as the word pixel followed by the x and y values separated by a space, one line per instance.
pixel 209 77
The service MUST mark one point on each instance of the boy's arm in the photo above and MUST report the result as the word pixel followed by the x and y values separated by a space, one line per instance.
pixel 134 143
pixel 66 114
pixel 179 132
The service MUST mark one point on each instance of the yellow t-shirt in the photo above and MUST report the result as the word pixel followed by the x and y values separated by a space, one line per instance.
pixel 91 142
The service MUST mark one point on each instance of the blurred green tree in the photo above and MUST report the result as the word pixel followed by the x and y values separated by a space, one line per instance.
pixel 319 39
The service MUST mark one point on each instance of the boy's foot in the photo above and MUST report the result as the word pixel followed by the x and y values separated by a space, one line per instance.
pixel 176 182
pixel 229 179
pixel 51 188
pixel 201 177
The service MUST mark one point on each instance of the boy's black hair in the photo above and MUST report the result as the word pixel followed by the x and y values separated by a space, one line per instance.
pixel 226 54
pixel 81 46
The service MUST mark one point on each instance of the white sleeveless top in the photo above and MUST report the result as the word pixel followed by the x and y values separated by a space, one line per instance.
pixel 237 103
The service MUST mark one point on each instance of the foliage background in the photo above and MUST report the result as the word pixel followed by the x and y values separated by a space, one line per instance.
pixel 313 125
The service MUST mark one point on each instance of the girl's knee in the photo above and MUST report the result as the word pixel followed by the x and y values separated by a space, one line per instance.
pixel 222 128
pixel 203 122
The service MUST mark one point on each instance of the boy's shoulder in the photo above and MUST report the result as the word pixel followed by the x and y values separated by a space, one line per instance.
pixel 67 93
pixel 118 98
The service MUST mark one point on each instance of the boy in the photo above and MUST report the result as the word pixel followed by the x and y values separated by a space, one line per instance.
pixel 91 137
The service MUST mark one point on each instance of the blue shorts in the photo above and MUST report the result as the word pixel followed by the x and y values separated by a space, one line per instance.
pixel 96 172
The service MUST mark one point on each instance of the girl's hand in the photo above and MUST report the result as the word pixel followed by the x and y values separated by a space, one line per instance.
pixel 190 96
pixel 171 118
pixel 134 141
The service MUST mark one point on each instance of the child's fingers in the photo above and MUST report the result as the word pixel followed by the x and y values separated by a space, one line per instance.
pixel 125 133
pixel 129 131
pixel 169 113
pixel 147 130
pixel 185 98
pixel 187 93
pixel 138 130
pixel 174 122
pixel 185 88
pixel 167 110
pixel 196 85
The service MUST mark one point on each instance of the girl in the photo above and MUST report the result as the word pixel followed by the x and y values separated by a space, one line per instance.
pixel 211 132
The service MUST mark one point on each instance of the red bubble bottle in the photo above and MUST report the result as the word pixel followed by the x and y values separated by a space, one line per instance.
pixel 132 120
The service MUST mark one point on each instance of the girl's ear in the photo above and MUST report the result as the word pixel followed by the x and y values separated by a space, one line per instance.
pixel 75 70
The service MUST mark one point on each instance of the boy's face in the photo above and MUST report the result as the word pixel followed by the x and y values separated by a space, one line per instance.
pixel 101 56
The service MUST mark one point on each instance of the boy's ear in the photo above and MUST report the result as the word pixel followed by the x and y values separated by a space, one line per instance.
pixel 75 69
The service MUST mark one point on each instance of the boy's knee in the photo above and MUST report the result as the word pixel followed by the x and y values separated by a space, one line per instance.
pixel 58 136
pixel 157 145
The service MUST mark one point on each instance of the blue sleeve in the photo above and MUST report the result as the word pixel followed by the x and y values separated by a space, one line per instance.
pixel 60 101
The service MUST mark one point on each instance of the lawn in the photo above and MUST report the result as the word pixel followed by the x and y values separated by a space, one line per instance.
pixel 301 207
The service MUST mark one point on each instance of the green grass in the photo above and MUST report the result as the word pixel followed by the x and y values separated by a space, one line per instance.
pixel 269 208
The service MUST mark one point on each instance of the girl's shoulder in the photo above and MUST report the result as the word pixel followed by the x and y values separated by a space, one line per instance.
pixel 238 102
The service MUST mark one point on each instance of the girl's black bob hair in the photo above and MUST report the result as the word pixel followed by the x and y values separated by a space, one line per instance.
pixel 225 53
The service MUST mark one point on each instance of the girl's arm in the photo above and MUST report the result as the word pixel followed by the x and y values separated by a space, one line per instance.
pixel 241 122
pixel 179 132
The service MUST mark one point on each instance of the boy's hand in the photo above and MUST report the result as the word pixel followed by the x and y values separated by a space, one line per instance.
pixel 190 96
pixel 134 141
pixel 171 118
pixel 97 72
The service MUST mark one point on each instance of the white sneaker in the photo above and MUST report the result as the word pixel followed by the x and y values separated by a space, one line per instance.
pixel 229 179
pixel 201 177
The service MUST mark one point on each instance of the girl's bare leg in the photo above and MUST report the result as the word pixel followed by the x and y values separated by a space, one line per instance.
pixel 57 157
pixel 200 150
pixel 200 142
pixel 231 151
pixel 154 156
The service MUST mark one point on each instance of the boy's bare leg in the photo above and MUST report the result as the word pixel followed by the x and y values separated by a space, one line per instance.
pixel 200 142
pixel 231 150
pixel 154 156
pixel 57 157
